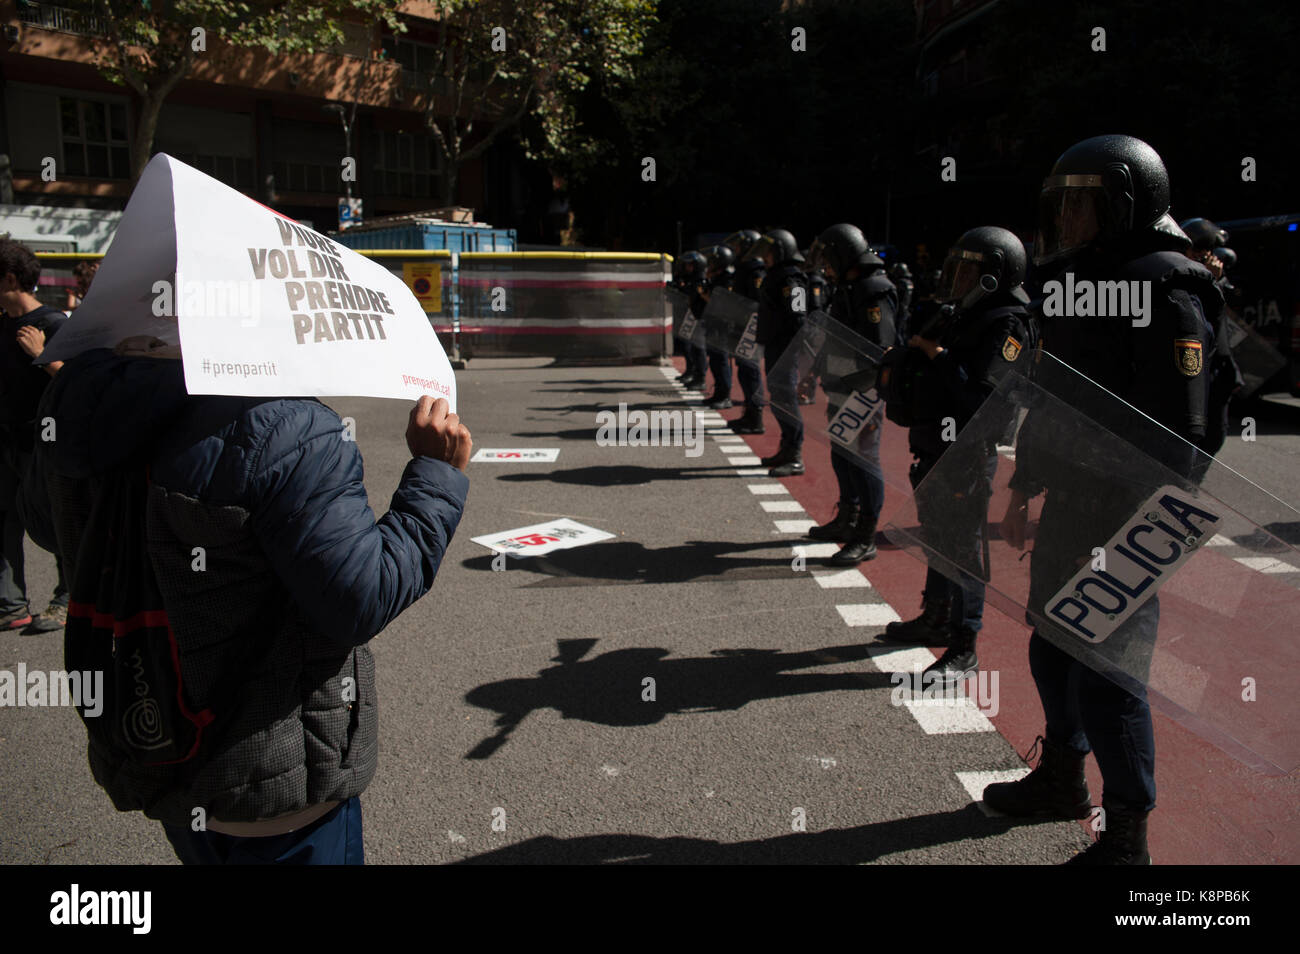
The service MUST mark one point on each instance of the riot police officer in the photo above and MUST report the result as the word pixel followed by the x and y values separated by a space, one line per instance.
pixel 935 387
pixel 782 306
pixel 901 276
pixel 748 281
pixel 1104 216
pixel 691 282
pixel 721 274
pixel 1225 377
pixel 866 301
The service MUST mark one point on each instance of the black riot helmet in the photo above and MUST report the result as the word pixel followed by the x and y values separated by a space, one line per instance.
pixel 1205 235
pixel 983 261
pixel 720 258
pixel 692 265
pixel 1100 192
pixel 1227 256
pixel 841 247
pixel 900 271
pixel 782 245
pixel 741 242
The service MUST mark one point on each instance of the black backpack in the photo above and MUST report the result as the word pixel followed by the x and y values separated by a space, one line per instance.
pixel 146 731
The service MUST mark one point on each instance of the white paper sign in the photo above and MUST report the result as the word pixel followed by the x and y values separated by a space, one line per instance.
pixel 260 305
pixel 517 455
pixel 543 538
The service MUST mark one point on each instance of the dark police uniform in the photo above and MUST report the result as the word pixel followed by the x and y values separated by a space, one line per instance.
pixel 868 305
pixel 748 282
pixel 980 346
pixel 779 320
pixel 1160 370
pixel 720 361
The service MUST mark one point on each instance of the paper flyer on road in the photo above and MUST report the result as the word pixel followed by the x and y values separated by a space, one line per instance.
pixel 541 538
pixel 261 305
pixel 516 455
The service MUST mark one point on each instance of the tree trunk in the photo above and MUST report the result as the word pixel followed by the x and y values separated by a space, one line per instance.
pixel 148 106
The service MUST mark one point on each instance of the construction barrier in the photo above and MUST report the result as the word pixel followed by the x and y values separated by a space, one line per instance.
pixel 591 306
pixel 571 305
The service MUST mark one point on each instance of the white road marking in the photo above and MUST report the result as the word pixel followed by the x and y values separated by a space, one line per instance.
pixel 781 506
pixel 816 551
pixel 736 460
pixel 794 526
pixel 948 717
pixel 867 614
pixel 839 579
pixel 768 488
pixel 1267 565
pixel 976 782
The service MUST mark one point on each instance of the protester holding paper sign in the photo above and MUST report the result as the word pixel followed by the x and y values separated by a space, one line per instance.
pixel 270 567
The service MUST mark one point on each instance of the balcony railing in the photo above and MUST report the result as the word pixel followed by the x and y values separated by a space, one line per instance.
pixel 49 16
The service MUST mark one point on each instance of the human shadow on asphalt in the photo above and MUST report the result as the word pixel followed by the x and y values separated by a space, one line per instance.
pixel 608 689
pixel 574 434
pixel 624 561
pixel 618 475
pixel 836 846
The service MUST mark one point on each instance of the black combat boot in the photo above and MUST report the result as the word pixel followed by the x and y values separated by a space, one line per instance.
pixel 1057 788
pixel 751 422
pixel 862 544
pixel 840 528
pixel 957 662
pixel 719 400
pixel 1122 839
pixel 788 465
pixel 693 380
pixel 929 629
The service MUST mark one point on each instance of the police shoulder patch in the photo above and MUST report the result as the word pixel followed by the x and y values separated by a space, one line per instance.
pixel 873 314
pixel 1010 349
pixel 1187 356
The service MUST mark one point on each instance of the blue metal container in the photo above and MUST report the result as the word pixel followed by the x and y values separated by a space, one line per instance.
pixel 448 235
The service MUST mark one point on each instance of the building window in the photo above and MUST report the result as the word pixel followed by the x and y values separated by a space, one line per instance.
pixel 406 164
pixel 306 177
pixel 234 171
pixel 94 139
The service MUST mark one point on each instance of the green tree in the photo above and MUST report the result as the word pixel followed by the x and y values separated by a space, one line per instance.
pixel 498 63
pixel 150 46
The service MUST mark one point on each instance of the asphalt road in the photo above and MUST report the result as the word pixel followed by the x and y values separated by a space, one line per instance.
pixel 518 696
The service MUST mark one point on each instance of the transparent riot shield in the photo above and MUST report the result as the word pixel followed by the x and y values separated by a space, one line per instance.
pixel 731 325
pixel 1256 358
pixel 1187 589
pixel 836 367
pixel 680 306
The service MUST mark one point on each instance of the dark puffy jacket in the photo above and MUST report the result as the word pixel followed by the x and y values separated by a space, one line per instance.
pixel 298 576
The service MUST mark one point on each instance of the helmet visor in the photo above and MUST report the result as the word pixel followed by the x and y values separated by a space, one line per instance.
pixel 1071 210
pixel 961 273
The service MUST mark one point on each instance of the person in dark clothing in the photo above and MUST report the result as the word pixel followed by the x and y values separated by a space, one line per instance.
pixel 690 281
pixel 748 281
pixel 720 273
pixel 26 327
pixel 299 576
pixel 955 363
pixel 1104 216
pixel 865 301
pixel 782 305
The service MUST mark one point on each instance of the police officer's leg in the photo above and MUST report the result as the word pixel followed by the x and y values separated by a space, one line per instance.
pixel 1117 721
pixel 720 366
pixel 1057 787
pixel 751 383
pixel 788 460
pixel 840 527
pixel 868 487
pixel 931 626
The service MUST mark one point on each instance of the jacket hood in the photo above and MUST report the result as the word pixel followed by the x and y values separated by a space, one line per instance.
pixel 109 409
